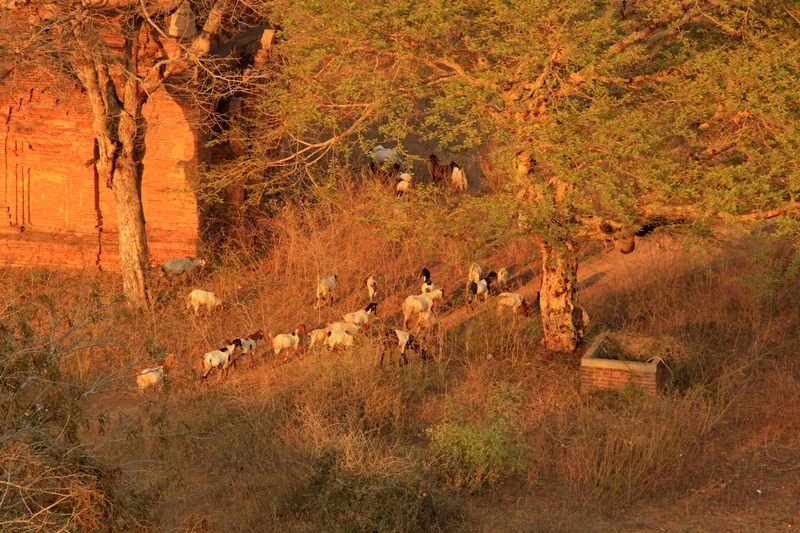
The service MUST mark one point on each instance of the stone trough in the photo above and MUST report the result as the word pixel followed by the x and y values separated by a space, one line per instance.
pixel 600 373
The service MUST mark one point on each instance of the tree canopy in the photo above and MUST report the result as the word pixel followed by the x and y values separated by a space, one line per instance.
pixel 651 107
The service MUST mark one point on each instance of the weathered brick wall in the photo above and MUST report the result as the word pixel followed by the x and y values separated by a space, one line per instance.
pixel 610 378
pixel 599 373
pixel 52 205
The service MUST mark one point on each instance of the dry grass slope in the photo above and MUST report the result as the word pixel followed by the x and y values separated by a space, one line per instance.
pixel 337 442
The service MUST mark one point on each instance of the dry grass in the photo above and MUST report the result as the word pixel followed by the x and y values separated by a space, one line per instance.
pixel 334 441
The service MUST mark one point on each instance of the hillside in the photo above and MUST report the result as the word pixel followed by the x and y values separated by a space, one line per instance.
pixel 630 162
pixel 457 442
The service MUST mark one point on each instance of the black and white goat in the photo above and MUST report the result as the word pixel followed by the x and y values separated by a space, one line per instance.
pixel 362 315
pixel 219 358
pixel 248 344
pixel 515 301
pixel 480 288
pixel 405 341
pixel 458 178
pixel 427 284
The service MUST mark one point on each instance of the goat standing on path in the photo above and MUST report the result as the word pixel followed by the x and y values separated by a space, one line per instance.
pixel 419 304
pixel 172 268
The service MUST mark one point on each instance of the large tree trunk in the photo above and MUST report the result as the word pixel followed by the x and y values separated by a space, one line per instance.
pixel 134 255
pixel 119 163
pixel 563 318
pixel 127 184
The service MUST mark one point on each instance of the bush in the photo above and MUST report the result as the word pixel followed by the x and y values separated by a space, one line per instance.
pixel 476 453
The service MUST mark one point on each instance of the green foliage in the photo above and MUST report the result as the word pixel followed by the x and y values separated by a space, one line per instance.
pixel 476 452
pixel 426 215
pixel 628 110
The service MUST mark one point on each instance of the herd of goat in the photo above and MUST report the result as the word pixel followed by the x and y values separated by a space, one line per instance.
pixel 343 333
pixel 388 162
pixel 388 158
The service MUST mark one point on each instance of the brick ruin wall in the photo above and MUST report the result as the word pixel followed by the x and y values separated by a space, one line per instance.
pixel 616 379
pixel 53 208
pixel 598 373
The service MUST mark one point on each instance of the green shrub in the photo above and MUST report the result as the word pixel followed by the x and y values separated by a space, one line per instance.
pixel 476 453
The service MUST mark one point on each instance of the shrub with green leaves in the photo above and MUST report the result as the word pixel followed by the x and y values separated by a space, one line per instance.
pixel 477 451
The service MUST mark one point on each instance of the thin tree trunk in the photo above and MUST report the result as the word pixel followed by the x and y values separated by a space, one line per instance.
pixel 563 318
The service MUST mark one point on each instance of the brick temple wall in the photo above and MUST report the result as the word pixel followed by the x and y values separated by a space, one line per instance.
pixel 52 206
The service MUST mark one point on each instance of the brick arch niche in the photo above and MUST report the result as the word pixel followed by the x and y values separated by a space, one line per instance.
pixel 53 208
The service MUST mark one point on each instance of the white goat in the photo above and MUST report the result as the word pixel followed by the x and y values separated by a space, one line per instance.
pixel 514 301
pixel 458 178
pixel 219 358
pixel 381 155
pixel 338 337
pixel 427 319
pixel 349 327
pixel 419 304
pixel 325 289
pixel 286 340
pixel 155 375
pixel 317 336
pixel 475 273
pixel 175 267
pixel 203 299
pixel 502 279
pixel 372 288
pixel 404 184
pixel 362 315
pixel 150 376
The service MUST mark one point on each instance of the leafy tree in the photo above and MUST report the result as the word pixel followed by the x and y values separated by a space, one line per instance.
pixel 604 117
pixel 108 47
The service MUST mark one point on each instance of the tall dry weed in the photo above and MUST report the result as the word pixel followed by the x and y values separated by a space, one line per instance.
pixel 61 355
pixel 621 447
